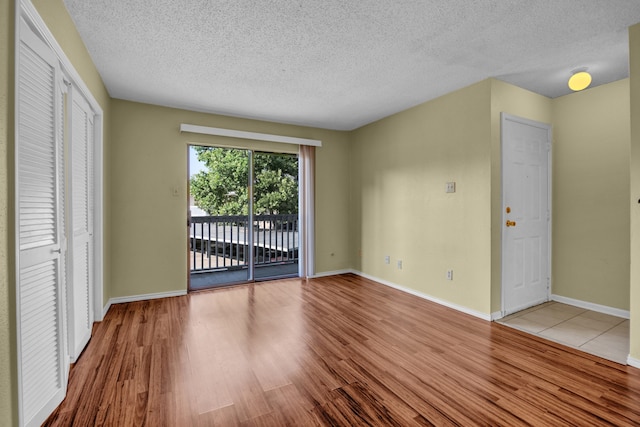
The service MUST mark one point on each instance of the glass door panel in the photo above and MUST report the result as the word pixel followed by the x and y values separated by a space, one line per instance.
pixel 219 234
pixel 240 232
pixel 275 220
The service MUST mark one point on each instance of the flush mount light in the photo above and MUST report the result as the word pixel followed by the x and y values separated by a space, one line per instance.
pixel 580 80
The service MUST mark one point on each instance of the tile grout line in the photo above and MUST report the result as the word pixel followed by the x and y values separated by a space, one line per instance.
pixel 604 332
pixel 560 323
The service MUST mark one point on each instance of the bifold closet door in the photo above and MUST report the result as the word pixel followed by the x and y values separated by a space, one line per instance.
pixel 82 180
pixel 42 360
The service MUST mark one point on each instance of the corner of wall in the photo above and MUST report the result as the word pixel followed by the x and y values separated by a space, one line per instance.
pixel 8 357
pixel 355 214
pixel 591 179
pixel 634 75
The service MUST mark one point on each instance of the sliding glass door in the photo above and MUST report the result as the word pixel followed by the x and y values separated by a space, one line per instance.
pixel 275 221
pixel 243 216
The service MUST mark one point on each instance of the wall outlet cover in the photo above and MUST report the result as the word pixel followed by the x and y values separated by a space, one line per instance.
pixel 451 187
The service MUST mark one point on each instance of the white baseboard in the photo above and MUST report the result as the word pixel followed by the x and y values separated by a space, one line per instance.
pixel 331 273
pixel 632 361
pixel 456 307
pixel 593 307
pixel 105 309
pixel 143 297
pixel 496 315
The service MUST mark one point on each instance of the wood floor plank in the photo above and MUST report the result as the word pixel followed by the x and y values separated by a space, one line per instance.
pixel 339 350
pixel 354 405
pixel 225 416
pixel 294 408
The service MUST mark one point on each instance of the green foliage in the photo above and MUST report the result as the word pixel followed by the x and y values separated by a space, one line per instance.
pixel 222 188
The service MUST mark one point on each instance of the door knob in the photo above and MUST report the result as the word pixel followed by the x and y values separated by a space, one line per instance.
pixel 511 223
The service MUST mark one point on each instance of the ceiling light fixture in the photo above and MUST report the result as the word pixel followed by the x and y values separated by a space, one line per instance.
pixel 580 80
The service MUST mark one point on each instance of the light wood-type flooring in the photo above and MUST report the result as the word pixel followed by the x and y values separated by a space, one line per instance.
pixel 342 351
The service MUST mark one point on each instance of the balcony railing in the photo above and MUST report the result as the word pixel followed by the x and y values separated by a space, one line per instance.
pixel 222 242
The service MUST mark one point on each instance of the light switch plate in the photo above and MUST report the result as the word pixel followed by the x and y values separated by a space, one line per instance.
pixel 451 187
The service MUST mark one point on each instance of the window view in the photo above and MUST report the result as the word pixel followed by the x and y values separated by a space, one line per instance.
pixel 235 237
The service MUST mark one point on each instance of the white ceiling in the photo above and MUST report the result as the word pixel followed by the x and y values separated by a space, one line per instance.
pixel 341 64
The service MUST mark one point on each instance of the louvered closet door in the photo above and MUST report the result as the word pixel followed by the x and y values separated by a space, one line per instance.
pixel 82 141
pixel 41 358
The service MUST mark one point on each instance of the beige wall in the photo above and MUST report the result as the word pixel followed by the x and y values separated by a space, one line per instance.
pixel 8 384
pixel 634 51
pixel 517 102
pixel 399 206
pixel 149 159
pixel 591 195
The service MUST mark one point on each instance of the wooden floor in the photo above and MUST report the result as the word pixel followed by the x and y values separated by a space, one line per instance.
pixel 340 351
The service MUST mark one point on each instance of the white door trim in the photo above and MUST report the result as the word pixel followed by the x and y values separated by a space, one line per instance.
pixel 508 117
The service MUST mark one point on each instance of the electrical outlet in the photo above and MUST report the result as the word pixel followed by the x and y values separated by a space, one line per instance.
pixel 451 187
pixel 449 274
pixel 387 259
pixel 399 264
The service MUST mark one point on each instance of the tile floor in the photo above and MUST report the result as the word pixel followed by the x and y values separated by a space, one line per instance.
pixel 596 333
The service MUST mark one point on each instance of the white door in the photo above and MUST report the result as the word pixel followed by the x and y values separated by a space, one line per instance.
pixel 526 216
pixel 80 291
pixel 41 325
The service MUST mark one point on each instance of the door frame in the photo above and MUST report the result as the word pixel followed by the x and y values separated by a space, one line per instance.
pixel 251 152
pixel 306 178
pixel 504 117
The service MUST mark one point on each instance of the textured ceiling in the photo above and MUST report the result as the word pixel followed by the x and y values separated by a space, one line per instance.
pixel 341 64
